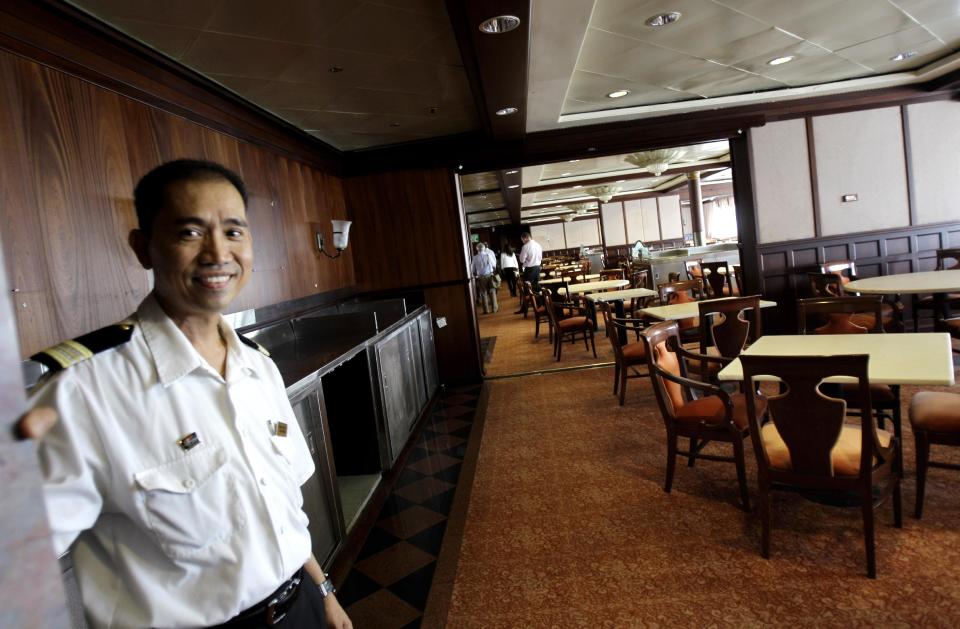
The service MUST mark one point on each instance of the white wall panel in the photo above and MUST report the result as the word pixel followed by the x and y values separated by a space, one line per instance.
pixel 634 221
pixel 582 233
pixel 670 220
pixel 861 153
pixel 781 181
pixel 934 130
pixel 614 231
pixel 550 236
pixel 651 221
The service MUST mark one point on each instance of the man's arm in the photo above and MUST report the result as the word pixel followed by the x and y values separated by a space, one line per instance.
pixel 336 617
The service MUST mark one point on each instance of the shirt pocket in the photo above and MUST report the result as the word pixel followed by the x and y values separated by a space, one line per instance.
pixel 191 503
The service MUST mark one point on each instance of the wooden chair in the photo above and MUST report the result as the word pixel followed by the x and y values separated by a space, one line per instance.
pixel 737 279
pixel 946 259
pixel 825 285
pixel 716 276
pixel 611 274
pixel 831 285
pixel 935 419
pixel 568 326
pixel 727 326
pixel 853 315
pixel 692 269
pixel 806 445
pixel 679 292
pixel 539 311
pixel 713 416
pixel 626 356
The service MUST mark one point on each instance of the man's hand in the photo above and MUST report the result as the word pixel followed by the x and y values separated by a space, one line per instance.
pixel 336 617
pixel 36 423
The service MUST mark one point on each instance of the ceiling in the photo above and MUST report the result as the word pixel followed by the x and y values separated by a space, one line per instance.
pixel 361 74
pixel 566 189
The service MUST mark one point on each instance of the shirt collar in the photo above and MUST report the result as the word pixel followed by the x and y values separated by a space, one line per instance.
pixel 173 354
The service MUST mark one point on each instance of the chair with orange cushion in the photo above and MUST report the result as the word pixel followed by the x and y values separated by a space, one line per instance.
pixel 716 277
pixel 806 444
pixel 692 269
pixel 714 416
pixel 852 315
pixel 726 327
pixel 568 326
pixel 681 292
pixel 611 274
pixel 946 259
pixel 626 356
pixel 935 419
pixel 539 310
pixel 830 285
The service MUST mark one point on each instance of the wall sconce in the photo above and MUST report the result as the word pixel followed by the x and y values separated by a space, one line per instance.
pixel 341 235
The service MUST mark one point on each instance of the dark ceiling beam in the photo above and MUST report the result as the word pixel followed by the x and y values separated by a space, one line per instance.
pixel 511 196
pixel 496 64
pixel 628 176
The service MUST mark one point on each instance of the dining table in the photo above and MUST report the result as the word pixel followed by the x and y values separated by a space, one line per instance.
pixel 617 297
pixel 688 309
pixel 938 283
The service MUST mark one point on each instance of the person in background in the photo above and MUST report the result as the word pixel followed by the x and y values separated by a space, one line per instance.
pixel 510 268
pixel 174 472
pixel 530 257
pixel 483 265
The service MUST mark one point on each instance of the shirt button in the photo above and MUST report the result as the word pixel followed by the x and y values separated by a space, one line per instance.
pixel 263 481
pixel 189 483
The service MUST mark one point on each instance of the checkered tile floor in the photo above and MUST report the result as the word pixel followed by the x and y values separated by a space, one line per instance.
pixel 388 585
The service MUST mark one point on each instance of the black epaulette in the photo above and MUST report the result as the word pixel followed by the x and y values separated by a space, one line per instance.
pixel 257 346
pixel 70 353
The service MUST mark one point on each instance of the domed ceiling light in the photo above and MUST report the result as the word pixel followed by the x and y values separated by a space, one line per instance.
pixel 604 193
pixel 581 208
pixel 656 161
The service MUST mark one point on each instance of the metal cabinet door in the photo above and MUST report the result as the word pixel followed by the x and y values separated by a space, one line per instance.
pixel 320 496
pixel 428 353
pixel 401 384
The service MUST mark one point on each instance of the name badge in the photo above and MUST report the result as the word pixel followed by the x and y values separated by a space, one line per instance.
pixel 189 441
pixel 279 429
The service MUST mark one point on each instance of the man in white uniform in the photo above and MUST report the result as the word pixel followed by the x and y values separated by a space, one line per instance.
pixel 176 466
pixel 531 255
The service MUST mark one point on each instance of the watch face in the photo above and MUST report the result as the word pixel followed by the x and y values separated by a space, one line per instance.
pixel 326 588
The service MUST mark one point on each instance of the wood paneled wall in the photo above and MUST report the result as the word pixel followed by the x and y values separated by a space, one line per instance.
pixel 409 233
pixel 70 155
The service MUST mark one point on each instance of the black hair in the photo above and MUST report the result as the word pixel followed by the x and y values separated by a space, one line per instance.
pixel 150 195
pixel 526 235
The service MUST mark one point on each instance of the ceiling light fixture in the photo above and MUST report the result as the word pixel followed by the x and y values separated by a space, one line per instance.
pixel 604 193
pixel 499 24
pixel 516 185
pixel 900 56
pixel 662 19
pixel 779 61
pixel 573 161
pixel 565 174
pixel 616 94
pixel 512 172
pixel 506 111
pixel 580 186
pixel 335 69
pixel 655 161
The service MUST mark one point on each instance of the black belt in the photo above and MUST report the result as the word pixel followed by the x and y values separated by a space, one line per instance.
pixel 271 610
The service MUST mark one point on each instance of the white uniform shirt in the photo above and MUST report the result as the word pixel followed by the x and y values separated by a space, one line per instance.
pixel 170 537
pixel 531 254
pixel 483 263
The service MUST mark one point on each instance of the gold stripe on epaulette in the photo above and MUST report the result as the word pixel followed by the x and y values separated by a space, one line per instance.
pixel 68 353
pixel 263 350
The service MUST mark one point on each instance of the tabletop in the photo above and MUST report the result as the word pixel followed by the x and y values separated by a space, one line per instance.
pixel 908 283
pixel 686 310
pixel 925 358
pixel 595 286
pixel 617 295
pixel 550 282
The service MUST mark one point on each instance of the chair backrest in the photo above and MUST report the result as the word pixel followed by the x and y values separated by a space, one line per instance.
pixel 737 277
pixel 714 278
pixel 611 274
pixel 948 259
pixel 825 285
pixel 846 269
pixel 809 421
pixel 681 291
pixel 840 315
pixel 729 324
pixel 658 342
pixel 640 279
pixel 611 327
pixel 692 267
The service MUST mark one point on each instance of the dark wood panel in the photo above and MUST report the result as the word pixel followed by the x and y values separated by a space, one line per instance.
pixel 805 257
pixel 837 252
pixel 929 242
pixel 773 262
pixel 866 249
pixel 68 208
pixel 458 344
pixel 898 246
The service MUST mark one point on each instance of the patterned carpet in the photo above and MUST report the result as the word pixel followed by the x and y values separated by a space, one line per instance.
pixel 568 525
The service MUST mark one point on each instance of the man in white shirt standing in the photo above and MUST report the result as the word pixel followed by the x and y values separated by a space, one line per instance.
pixel 175 469
pixel 531 254
pixel 484 265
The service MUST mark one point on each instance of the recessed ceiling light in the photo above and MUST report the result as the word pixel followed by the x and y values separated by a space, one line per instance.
pixel 780 60
pixel 662 19
pixel 516 185
pixel 573 161
pixel 616 94
pixel 512 172
pixel 335 69
pixel 553 194
pixel 578 186
pixel 620 180
pixel 900 56
pixel 565 174
pixel 499 24
pixel 506 111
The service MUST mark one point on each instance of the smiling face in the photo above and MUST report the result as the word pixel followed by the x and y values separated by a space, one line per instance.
pixel 200 248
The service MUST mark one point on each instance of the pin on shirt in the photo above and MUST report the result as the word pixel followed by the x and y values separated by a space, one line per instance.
pixel 278 428
pixel 189 441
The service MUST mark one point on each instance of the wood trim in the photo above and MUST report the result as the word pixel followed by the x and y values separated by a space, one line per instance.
pixel 908 165
pixel 66 39
pixel 814 187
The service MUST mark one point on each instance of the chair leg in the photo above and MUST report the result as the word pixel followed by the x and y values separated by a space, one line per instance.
pixel 869 542
pixel 765 522
pixel 693 452
pixel 559 347
pixel 741 474
pixel 623 383
pixel 616 376
pixel 671 461
pixel 923 460
pixel 897 505
pixel 593 345
pixel 536 333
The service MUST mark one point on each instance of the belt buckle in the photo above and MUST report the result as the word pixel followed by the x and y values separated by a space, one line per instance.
pixel 272 617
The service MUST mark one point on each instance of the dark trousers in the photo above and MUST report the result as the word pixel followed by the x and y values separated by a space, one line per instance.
pixel 532 274
pixel 510 275
pixel 306 612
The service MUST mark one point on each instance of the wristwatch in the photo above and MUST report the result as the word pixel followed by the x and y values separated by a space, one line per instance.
pixel 326 586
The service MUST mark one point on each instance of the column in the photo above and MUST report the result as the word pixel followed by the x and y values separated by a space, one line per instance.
pixel 696 209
